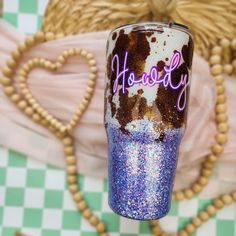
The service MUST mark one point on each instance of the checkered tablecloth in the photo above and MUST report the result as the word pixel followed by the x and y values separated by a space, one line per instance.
pixel 33 202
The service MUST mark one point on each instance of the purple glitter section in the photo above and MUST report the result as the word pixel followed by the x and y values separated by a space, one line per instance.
pixel 142 171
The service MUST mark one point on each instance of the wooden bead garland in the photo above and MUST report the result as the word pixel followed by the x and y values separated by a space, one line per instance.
pixel 25 101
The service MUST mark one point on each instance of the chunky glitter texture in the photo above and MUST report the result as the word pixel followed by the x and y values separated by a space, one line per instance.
pixel 141 171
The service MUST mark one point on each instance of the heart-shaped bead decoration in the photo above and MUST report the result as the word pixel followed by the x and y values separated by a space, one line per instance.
pixel 54 66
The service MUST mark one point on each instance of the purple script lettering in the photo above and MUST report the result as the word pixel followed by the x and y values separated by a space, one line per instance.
pixel 152 78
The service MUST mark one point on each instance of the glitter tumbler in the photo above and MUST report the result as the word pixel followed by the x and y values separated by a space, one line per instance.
pixel 146 100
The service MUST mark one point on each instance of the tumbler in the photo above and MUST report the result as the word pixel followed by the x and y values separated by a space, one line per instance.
pixel 146 101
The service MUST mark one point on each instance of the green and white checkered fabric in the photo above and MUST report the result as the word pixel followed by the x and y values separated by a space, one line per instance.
pixel 33 196
pixel 34 199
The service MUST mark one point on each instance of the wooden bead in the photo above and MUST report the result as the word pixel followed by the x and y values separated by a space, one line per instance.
pixel 70 160
pixel 203 216
pixel 217 50
pixel 197 188
pixel 219 79
pixel 35 105
pixel 87 213
pixel 212 158
pixel 202 180
pixel 61 59
pixel 228 69
pixel 82 107
pixel 62 130
pixel 92 76
pixel 65 54
pixel 183 233
pixel 71 169
pixel 26 68
pixel 78 196
pixel 47 64
pixel 179 195
pixel 217 149
pixel 72 179
pixel 22 47
pixel 67 141
pixel 227 199
pixel 74 121
pixel 78 113
pixel 36 117
pixel 22 104
pixel 22 79
pixel 216 69
pixel 9 90
pixel 83 52
pixel 218 203
pixel 6 81
pixel 29 111
pixel 94 220
pixel 220 89
pixel 190 228
pixel 221 138
pixel 44 122
pixel 91 83
pixel 211 210
pixel 89 91
pixel 15 98
pixel 215 59
pixel 208 165
pixel 11 63
pixel 223 127
pixel 101 227
pixel 221 118
pixel 89 56
pixel 52 129
pixel 188 193
pixel 82 205
pixel 197 221
pixel 39 36
pixel 71 52
pixel 221 108
pixel 73 188
pixel 7 71
pixel 16 54
pixel 206 172
pixel 221 99
pixel 30 41
pixel 92 62
pixel 224 43
pixel 49 36
pixel 58 65
pixel 69 150
pixel 22 73
pixel 93 69
pixel 77 51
